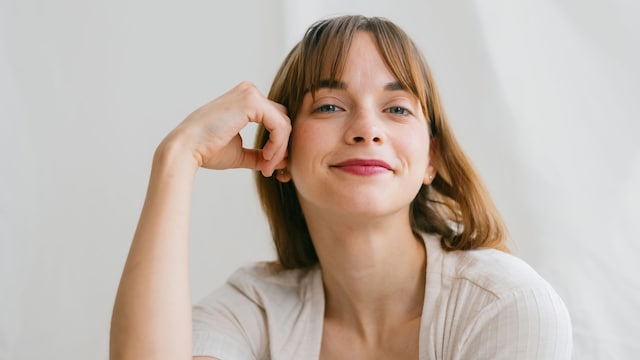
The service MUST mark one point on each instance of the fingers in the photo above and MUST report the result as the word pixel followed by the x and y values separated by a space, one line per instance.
pixel 215 131
pixel 276 122
pixel 254 159
pixel 268 167
pixel 278 161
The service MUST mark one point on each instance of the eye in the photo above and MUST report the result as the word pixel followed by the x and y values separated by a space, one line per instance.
pixel 327 108
pixel 398 110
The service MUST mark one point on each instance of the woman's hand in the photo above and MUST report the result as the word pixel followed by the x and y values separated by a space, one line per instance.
pixel 211 134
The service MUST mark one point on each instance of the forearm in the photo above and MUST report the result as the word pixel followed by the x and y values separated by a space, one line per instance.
pixel 152 312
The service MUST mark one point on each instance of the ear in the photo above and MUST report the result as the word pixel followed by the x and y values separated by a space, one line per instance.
pixel 429 175
pixel 431 170
pixel 283 175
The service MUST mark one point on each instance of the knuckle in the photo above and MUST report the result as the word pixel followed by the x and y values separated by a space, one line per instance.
pixel 248 90
pixel 246 86
pixel 286 124
pixel 281 108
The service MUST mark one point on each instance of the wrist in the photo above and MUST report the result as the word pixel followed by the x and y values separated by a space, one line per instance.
pixel 174 156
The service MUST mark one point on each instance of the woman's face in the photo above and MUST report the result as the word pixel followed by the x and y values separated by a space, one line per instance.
pixel 361 146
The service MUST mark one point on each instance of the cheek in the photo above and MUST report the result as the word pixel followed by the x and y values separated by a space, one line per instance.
pixel 299 136
pixel 311 134
pixel 416 150
pixel 415 140
pixel 303 145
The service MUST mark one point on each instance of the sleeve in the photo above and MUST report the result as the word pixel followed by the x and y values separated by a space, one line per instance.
pixel 228 325
pixel 526 324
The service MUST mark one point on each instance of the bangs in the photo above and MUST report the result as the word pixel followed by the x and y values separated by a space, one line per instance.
pixel 323 51
pixel 403 59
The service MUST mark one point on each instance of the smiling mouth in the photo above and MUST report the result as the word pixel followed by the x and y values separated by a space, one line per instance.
pixel 363 167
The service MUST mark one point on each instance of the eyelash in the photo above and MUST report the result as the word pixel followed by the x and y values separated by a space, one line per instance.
pixel 323 108
pixel 334 108
pixel 404 110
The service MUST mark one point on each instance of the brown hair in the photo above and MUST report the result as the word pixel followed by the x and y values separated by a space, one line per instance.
pixel 456 206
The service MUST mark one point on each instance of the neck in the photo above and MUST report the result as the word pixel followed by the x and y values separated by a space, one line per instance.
pixel 373 273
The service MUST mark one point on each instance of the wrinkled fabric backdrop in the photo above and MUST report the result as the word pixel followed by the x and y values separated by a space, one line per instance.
pixel 543 95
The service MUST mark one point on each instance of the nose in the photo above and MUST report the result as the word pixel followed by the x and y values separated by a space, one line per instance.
pixel 363 128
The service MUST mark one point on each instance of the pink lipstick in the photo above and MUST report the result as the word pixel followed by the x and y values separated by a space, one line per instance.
pixel 363 167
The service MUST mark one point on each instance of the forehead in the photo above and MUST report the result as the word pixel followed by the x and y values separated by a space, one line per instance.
pixel 364 55
pixel 360 60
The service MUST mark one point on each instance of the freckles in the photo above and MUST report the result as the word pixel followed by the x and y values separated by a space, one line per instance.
pixel 304 131
pixel 298 143
pixel 312 134
pixel 412 140
pixel 302 128
pixel 302 144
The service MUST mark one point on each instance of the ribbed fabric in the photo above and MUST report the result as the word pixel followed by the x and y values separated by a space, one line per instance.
pixel 479 304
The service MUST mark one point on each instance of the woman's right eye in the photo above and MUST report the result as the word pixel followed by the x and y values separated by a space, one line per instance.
pixel 327 108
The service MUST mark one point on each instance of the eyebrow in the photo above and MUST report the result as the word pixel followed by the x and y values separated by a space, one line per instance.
pixel 394 86
pixel 341 85
pixel 329 84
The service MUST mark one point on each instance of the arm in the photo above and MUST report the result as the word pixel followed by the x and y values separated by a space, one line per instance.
pixel 152 311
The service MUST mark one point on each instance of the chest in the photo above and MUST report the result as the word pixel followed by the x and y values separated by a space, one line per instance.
pixel 399 343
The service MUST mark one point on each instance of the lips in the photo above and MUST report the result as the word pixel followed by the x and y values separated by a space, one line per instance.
pixel 363 167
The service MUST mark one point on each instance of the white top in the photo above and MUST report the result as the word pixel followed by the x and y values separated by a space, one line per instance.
pixel 478 304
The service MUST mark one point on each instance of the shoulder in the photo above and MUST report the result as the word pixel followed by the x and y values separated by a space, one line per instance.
pixel 508 309
pixel 269 279
pixel 246 317
pixel 493 272
pixel 264 283
pixel 264 287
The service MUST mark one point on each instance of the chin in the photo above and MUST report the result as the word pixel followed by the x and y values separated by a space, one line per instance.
pixel 374 210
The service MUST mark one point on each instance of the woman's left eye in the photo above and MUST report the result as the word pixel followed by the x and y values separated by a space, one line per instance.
pixel 398 110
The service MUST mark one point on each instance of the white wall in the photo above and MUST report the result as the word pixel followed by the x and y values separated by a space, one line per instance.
pixel 542 95
pixel 87 91
pixel 568 72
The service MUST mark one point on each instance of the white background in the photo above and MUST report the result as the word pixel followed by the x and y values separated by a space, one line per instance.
pixel 543 95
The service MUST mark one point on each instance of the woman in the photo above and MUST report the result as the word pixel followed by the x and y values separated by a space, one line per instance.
pixel 388 245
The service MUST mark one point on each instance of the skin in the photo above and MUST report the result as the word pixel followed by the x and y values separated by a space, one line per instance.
pixel 359 223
